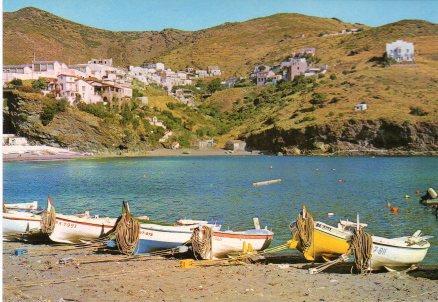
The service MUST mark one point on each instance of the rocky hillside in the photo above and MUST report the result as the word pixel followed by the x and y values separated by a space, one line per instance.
pixel 308 115
pixel 97 128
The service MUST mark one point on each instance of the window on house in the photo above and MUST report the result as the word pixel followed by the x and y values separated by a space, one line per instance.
pixel 37 67
pixel 43 67
pixel 49 66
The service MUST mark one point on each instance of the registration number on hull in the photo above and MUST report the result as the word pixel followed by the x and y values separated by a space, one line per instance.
pixel 379 250
pixel 67 224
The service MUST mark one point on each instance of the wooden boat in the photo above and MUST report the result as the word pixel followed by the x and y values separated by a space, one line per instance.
pixel 398 254
pixel 219 244
pixel 19 222
pixel 73 229
pixel 155 237
pixel 330 243
pixel 22 206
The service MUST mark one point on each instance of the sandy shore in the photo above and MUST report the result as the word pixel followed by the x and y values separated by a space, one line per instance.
pixel 37 153
pixel 47 153
pixel 39 276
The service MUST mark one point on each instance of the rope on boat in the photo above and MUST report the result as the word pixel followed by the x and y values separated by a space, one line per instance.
pixel 48 219
pixel 361 245
pixel 201 241
pixel 127 231
pixel 305 227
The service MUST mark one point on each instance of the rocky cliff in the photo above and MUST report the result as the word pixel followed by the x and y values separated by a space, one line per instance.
pixel 351 137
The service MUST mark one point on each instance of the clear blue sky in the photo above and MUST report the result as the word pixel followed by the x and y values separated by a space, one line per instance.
pixel 192 15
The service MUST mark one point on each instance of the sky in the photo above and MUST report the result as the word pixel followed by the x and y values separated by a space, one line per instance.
pixel 140 15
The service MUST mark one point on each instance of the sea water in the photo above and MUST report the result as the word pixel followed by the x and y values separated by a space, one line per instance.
pixel 219 188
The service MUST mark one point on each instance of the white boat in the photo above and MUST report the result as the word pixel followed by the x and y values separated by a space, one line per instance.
pixel 79 228
pixel 155 237
pixel 390 253
pixel 223 243
pixel 17 222
pixel 398 254
pixel 73 229
pixel 22 206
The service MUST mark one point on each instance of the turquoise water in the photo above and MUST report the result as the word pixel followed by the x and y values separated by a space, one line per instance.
pixel 220 188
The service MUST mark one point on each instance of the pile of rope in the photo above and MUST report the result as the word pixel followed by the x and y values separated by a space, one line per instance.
pixel 48 220
pixel 127 231
pixel 361 245
pixel 201 241
pixel 305 227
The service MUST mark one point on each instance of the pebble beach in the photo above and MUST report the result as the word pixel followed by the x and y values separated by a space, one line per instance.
pixel 47 273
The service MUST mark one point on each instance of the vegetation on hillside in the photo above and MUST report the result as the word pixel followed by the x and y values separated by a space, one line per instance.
pixel 358 72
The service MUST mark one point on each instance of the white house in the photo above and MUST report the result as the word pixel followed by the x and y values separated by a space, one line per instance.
pixel 201 73
pixel 107 62
pixel 361 107
pixel 48 69
pixel 87 92
pixel 22 72
pixel 401 51
pixel 67 83
pixel 214 71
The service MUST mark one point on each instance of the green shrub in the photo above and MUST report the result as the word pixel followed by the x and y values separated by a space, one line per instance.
pixel 51 108
pixel 214 85
pixel 136 93
pixel 318 99
pixel 16 83
pixel 418 111
pixel 39 84
pixel 333 76
pixel 98 109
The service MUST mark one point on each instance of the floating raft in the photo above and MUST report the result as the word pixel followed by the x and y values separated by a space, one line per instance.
pixel 266 182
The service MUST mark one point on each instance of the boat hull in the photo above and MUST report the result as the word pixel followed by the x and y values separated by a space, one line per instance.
pixel 158 237
pixel 70 229
pixel 396 258
pixel 328 243
pixel 225 243
pixel 20 222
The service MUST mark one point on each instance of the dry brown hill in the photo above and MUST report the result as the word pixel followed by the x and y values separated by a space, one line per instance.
pixel 30 30
pixel 233 46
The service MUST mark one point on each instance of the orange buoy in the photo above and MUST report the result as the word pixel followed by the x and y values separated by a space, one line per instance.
pixel 392 209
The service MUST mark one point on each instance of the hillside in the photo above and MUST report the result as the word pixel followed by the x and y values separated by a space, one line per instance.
pixel 308 115
pixel 30 30
pixel 235 47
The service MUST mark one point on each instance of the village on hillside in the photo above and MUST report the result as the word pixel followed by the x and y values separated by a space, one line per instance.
pixel 98 81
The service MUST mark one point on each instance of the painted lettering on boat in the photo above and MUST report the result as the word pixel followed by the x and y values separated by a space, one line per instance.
pixel 323 226
pixel 67 224
pixel 150 234
pixel 379 250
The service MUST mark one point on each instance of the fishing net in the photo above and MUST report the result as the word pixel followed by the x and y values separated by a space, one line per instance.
pixel 127 232
pixel 361 245
pixel 201 242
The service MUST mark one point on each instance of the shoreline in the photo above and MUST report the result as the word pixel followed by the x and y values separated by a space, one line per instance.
pixel 84 273
pixel 58 154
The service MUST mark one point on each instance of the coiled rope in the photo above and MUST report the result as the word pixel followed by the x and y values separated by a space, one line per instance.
pixel 305 227
pixel 361 245
pixel 201 241
pixel 127 231
pixel 48 220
